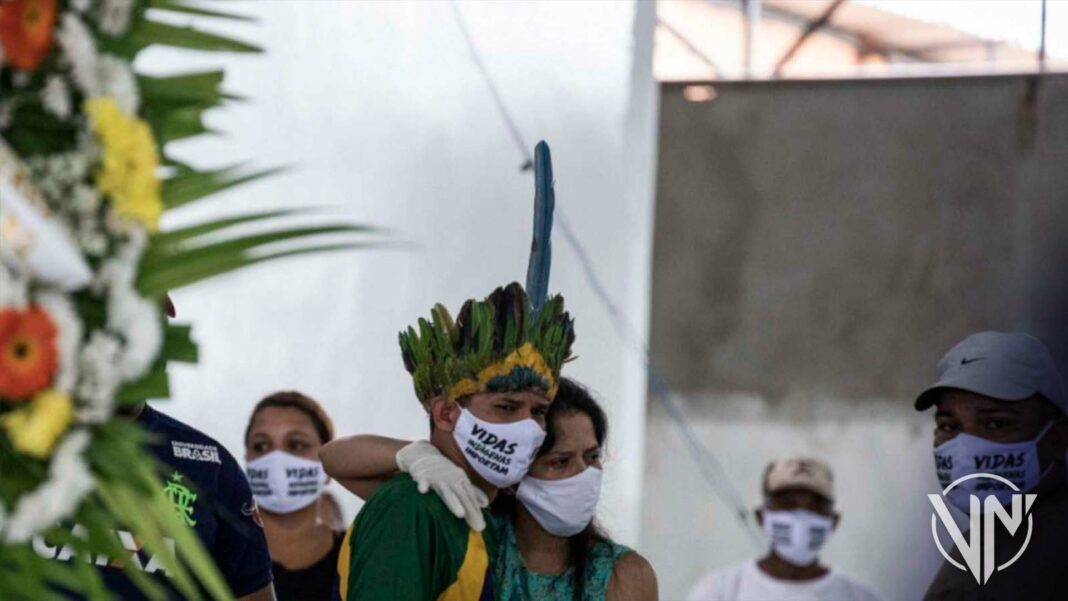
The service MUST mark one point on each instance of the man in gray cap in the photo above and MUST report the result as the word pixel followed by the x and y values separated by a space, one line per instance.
pixel 1001 410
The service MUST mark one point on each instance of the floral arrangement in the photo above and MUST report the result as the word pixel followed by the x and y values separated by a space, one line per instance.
pixel 84 272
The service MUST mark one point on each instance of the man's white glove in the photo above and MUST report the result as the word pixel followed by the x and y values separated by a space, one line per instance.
pixel 432 470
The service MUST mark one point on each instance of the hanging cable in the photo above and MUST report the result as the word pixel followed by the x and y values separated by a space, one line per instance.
pixel 709 466
pixel 513 129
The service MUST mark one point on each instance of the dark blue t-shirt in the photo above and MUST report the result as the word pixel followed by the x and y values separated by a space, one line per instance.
pixel 211 494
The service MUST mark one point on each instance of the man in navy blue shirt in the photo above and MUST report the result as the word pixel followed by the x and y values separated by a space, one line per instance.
pixel 211 494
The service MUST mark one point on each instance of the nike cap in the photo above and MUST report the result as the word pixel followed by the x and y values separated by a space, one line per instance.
pixel 1009 366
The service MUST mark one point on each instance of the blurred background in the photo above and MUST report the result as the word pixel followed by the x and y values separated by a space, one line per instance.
pixel 788 208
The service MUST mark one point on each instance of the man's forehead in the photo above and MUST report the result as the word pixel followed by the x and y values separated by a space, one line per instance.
pixel 524 396
pixel 797 494
pixel 953 401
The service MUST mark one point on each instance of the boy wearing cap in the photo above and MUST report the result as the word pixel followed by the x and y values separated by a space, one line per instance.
pixel 797 517
pixel 1001 410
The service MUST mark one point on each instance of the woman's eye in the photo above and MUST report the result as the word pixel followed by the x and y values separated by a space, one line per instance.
pixel 945 427
pixel 507 408
pixel 995 425
pixel 540 412
pixel 297 446
pixel 260 447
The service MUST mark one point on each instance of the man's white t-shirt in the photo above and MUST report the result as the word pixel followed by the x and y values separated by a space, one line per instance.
pixel 747 582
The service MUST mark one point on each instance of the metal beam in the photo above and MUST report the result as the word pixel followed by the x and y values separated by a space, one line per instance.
pixel 812 27
pixel 691 47
pixel 752 18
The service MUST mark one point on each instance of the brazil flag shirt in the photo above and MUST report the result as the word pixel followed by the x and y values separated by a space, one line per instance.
pixel 408 546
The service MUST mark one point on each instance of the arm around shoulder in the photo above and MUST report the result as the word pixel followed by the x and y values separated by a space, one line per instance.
pixel 633 579
pixel 361 463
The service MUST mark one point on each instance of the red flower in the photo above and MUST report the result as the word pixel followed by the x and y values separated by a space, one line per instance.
pixel 28 355
pixel 26 31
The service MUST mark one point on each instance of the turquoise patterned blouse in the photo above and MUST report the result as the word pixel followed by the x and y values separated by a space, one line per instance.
pixel 514 582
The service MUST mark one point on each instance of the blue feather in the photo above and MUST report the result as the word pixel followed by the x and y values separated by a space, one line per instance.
pixel 541 254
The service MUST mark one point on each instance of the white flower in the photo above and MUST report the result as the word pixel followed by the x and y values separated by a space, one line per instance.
pixel 69 480
pixel 92 241
pixel 84 199
pixel 115 17
pixel 77 44
pixel 56 97
pixel 116 79
pixel 99 378
pixel 7 109
pixel 12 287
pixel 134 318
pixel 63 314
pixel 138 321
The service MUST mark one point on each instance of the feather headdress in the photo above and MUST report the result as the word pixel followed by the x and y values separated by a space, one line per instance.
pixel 509 340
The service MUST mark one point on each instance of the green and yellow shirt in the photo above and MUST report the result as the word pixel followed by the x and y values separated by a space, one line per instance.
pixel 408 546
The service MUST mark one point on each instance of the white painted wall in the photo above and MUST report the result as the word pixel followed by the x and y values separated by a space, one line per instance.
pixel 384 114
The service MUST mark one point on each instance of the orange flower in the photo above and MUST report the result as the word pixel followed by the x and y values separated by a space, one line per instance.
pixel 26 31
pixel 28 355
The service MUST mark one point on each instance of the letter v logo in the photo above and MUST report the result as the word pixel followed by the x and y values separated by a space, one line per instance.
pixel 982 517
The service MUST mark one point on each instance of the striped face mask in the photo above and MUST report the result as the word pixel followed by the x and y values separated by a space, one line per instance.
pixel 284 483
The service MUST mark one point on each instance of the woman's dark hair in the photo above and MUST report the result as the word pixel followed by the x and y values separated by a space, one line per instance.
pixel 291 399
pixel 571 397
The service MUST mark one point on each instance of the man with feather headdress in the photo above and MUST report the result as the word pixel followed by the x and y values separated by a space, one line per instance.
pixel 486 380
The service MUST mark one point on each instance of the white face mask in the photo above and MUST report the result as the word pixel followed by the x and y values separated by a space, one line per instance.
pixel 284 483
pixel 797 535
pixel 967 454
pixel 500 453
pixel 563 507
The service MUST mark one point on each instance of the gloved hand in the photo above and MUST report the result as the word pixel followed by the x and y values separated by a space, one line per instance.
pixel 432 470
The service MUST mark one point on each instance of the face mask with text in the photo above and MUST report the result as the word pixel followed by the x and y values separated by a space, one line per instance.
pixel 967 454
pixel 284 483
pixel 797 535
pixel 500 453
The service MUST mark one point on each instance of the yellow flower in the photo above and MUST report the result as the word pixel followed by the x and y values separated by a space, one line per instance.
pixel 131 161
pixel 35 429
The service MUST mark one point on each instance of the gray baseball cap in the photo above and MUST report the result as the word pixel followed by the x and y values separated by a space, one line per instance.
pixel 1010 366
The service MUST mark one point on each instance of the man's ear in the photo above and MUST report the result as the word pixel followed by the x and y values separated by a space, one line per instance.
pixel 444 412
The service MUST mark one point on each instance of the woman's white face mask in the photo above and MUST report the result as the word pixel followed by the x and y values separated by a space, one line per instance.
pixel 563 507
pixel 284 483
pixel 797 535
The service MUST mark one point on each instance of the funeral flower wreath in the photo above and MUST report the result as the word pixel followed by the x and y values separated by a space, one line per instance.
pixel 84 272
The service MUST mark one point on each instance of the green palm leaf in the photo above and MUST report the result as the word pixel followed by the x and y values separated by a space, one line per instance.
pixel 190 185
pixel 160 283
pixel 181 7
